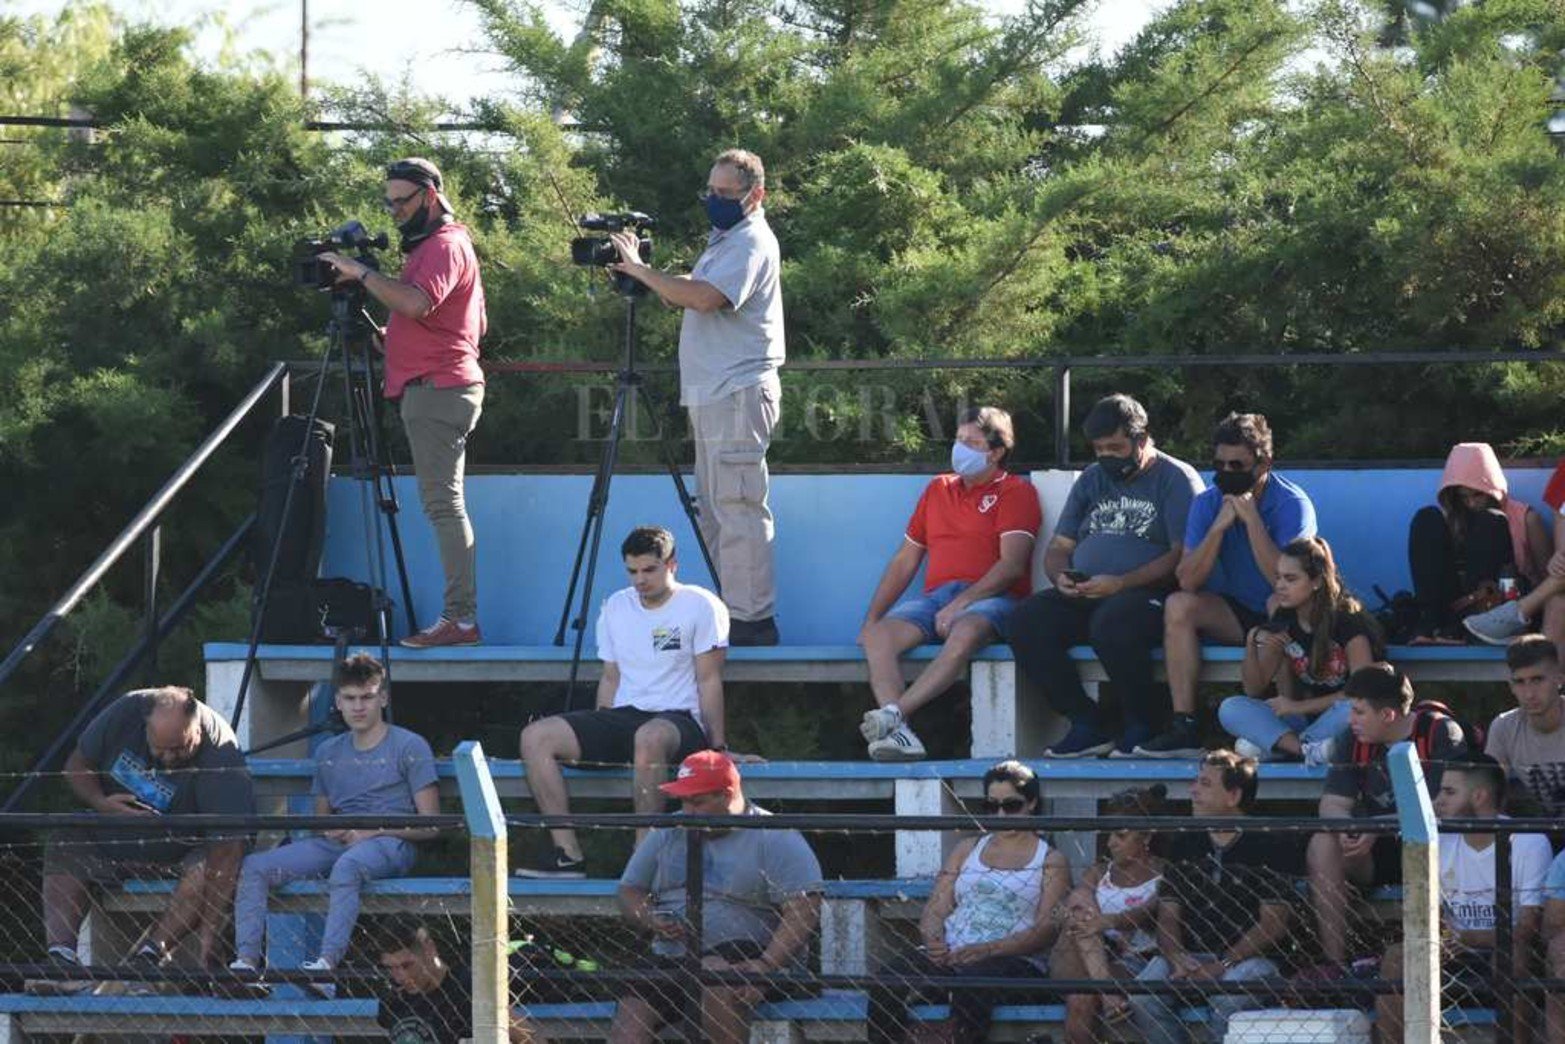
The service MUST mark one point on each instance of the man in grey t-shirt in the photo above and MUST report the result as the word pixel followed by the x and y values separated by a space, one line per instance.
pixel 760 905
pixel 730 346
pixel 1112 560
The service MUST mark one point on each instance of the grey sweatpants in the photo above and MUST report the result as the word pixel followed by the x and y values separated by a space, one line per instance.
pixel 346 868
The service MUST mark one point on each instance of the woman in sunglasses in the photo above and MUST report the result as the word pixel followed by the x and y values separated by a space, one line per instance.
pixel 1317 635
pixel 1109 917
pixel 992 914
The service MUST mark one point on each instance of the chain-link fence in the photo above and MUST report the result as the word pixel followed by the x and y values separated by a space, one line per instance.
pixel 723 927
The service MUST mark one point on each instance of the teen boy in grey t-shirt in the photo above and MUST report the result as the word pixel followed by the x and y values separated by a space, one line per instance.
pixel 1112 561
pixel 374 768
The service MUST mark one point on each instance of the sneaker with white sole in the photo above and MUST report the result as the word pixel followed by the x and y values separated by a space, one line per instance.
pixel 1319 752
pixel 880 722
pixel 1498 626
pixel 1245 749
pixel 901 745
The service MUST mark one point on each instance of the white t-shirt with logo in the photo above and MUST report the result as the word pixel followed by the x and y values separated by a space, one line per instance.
pixel 656 649
pixel 1467 878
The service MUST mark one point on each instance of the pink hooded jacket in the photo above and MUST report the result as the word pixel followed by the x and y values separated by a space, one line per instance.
pixel 1474 465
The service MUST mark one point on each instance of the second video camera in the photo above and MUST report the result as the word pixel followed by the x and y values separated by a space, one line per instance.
pixel 311 272
pixel 597 251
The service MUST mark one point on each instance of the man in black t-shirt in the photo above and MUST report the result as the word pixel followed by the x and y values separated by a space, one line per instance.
pixel 151 755
pixel 433 999
pixel 1380 699
pixel 1223 909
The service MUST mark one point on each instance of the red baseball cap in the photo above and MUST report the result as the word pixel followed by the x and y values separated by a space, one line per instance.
pixel 704 772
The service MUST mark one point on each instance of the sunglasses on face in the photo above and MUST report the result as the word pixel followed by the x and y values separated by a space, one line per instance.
pixel 1010 806
pixel 1231 465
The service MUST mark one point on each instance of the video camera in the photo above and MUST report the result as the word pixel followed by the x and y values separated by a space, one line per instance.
pixel 311 272
pixel 597 251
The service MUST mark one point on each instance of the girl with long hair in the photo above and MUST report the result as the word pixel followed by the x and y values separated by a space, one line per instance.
pixel 1316 635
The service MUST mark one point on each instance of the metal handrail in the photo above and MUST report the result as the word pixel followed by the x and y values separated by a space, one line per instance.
pixel 146 519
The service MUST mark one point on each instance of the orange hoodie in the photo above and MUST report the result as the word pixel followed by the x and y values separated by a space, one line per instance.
pixel 1474 465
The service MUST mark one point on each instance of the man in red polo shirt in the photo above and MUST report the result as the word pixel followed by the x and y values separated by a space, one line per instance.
pixel 977 527
pixel 431 342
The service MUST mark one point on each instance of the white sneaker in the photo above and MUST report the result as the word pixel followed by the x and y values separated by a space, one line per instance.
pixel 1318 752
pixel 880 722
pixel 901 745
pixel 1245 749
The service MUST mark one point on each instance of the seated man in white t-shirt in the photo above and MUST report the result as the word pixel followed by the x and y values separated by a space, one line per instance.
pixel 660 698
pixel 1475 789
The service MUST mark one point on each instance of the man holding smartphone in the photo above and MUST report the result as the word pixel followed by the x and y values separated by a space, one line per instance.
pixel 151 753
pixel 1112 560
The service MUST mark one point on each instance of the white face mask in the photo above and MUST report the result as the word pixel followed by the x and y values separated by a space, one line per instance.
pixel 966 461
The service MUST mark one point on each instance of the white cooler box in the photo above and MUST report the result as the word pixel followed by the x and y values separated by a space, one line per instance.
pixel 1287 1026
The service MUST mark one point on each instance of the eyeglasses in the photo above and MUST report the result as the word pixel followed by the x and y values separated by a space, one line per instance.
pixel 1231 465
pixel 1010 806
pixel 709 190
pixel 393 202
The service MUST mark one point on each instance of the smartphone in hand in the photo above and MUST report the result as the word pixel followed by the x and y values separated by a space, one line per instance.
pixel 1075 576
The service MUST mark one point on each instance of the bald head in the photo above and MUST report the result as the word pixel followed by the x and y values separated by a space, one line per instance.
pixel 173 734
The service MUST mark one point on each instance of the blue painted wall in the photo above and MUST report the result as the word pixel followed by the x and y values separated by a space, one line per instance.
pixel 834 536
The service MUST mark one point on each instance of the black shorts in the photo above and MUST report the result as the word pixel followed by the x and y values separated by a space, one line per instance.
pixel 672 995
pixel 1246 616
pixel 608 737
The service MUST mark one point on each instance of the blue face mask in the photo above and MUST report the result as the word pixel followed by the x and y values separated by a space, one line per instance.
pixel 723 213
pixel 966 461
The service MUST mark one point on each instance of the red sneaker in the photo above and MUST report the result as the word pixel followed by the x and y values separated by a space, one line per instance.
pixel 444 632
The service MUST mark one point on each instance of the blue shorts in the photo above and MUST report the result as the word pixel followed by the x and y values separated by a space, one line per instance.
pixel 920 611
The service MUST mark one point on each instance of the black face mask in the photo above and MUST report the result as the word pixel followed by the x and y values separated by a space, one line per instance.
pixel 421 226
pixel 1233 483
pixel 1119 468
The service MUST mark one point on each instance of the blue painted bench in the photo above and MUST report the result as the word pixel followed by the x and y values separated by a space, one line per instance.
pixel 22 1016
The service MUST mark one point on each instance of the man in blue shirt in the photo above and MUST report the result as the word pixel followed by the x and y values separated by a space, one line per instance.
pixel 1229 565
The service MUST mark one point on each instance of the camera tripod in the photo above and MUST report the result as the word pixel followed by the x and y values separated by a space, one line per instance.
pixel 349 334
pixel 626 383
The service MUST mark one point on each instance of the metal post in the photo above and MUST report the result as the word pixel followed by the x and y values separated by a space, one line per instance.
pixel 1420 898
pixel 695 904
pixel 285 393
pixel 153 566
pixel 1062 415
pixel 1504 966
pixel 491 926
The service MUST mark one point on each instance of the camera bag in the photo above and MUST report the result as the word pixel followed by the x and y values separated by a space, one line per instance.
pixel 316 611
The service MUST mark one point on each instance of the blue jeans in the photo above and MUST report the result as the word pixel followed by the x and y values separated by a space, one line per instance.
pixel 1252 719
pixel 920 610
pixel 346 868
pixel 1157 1015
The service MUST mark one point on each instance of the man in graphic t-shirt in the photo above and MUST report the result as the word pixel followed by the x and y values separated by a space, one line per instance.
pixel 660 697
pixel 1112 559
pixel 150 757
pixel 1474 789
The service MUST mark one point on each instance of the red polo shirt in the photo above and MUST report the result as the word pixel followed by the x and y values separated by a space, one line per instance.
pixel 443 346
pixel 960 527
